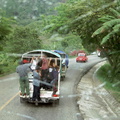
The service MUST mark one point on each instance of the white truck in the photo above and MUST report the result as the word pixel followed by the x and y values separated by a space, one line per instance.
pixel 45 95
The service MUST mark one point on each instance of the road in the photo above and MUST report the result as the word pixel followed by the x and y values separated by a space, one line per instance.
pixel 67 109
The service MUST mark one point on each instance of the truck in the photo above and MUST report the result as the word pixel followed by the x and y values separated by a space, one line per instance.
pixel 46 95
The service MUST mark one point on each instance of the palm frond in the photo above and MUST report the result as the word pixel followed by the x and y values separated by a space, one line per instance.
pixel 106 38
pixel 115 12
pixel 100 30
pixel 116 28
pixel 107 25
pixel 111 23
pixel 106 18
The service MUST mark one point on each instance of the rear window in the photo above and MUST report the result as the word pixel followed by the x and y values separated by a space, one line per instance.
pixel 81 54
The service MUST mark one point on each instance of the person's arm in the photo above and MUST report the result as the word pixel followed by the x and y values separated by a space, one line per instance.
pixel 32 60
pixel 49 60
pixel 55 61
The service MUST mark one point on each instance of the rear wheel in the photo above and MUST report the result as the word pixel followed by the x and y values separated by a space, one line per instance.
pixel 55 102
pixel 62 77
pixel 21 100
pixel 36 102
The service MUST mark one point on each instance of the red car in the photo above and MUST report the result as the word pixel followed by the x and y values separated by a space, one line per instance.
pixel 81 57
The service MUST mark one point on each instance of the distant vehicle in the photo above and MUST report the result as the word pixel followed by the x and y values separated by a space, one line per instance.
pixel 65 62
pixel 98 51
pixel 81 57
pixel 93 53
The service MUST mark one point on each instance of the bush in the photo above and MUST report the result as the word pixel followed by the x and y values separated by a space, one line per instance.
pixel 113 86
pixel 7 64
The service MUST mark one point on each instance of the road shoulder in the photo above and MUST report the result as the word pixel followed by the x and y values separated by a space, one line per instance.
pixel 95 102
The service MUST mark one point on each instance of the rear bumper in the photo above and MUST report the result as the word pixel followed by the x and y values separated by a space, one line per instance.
pixel 43 100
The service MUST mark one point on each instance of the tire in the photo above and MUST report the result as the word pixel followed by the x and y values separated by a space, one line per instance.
pixel 36 103
pixel 21 100
pixel 55 102
pixel 62 78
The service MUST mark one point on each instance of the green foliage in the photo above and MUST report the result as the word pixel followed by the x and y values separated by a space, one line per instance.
pixel 26 11
pixel 111 24
pixel 64 44
pixel 115 13
pixel 74 21
pixel 80 17
pixel 23 39
pixel 73 41
pixel 7 63
pixel 105 74
pixel 5 28
pixel 111 30
pixel 5 25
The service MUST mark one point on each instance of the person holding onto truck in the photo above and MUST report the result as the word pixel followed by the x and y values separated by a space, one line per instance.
pixel 53 71
pixel 22 70
pixel 44 67
pixel 53 74
pixel 36 84
pixel 34 62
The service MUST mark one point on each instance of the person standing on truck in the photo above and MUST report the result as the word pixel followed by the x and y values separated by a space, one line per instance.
pixel 53 74
pixel 39 63
pixel 36 84
pixel 22 70
pixel 45 65
pixel 34 62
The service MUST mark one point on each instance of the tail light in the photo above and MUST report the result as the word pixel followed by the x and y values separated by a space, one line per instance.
pixel 55 95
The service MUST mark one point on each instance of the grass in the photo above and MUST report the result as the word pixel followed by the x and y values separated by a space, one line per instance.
pixel 112 86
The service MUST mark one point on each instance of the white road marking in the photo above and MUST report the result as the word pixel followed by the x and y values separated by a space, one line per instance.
pixel 4 105
pixel 21 115
pixel 8 79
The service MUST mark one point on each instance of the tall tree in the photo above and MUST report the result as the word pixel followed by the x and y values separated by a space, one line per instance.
pixel 5 27
pixel 80 17
pixel 111 39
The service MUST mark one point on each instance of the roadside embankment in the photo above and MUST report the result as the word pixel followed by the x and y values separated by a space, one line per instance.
pixel 95 102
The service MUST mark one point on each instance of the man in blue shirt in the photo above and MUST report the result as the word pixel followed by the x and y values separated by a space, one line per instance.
pixel 22 70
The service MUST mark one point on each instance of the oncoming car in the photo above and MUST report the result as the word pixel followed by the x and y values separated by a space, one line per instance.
pixel 81 57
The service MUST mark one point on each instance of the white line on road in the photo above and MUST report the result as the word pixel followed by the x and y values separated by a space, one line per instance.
pixel 18 114
pixel 8 102
pixel 8 79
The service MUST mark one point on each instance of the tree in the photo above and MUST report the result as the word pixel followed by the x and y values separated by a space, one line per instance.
pixel 26 11
pixel 111 39
pixel 23 39
pixel 80 17
pixel 5 27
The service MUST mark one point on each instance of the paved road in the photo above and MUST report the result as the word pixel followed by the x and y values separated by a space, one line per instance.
pixel 12 109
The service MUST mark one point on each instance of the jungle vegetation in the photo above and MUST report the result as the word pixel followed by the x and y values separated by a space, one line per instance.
pixel 67 24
